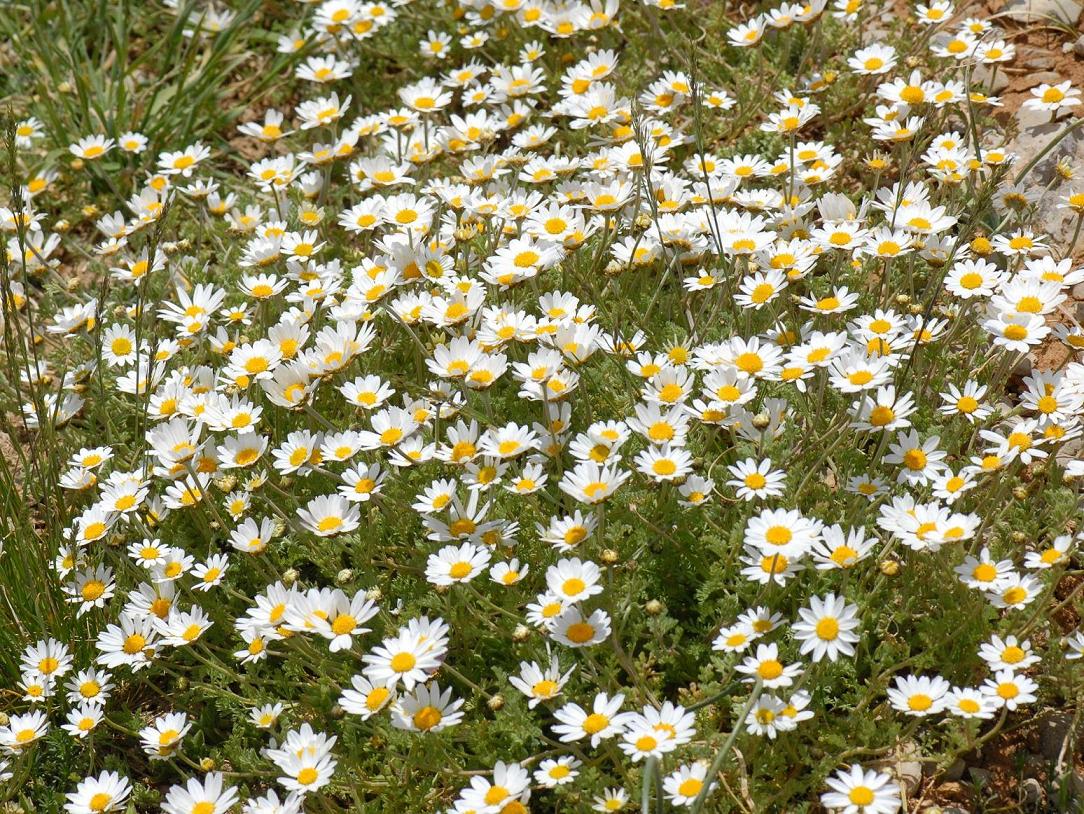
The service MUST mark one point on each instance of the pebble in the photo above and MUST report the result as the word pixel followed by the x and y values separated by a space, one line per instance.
pixel 1044 77
pixel 1031 791
pixel 1054 728
pixel 1039 61
pixel 959 766
pixel 983 74
pixel 905 765
pixel 980 777
pixel 1078 46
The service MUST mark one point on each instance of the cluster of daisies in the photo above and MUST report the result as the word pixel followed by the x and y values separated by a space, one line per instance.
pixel 424 325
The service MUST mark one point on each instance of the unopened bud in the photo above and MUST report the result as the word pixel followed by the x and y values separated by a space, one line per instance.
pixel 1019 537
pixel 890 567
pixel 654 607
pixel 608 556
pixel 1020 493
pixel 374 594
pixel 344 577
pixel 521 633
pixel 289 576
pixel 761 421
pixel 496 702
pixel 207 764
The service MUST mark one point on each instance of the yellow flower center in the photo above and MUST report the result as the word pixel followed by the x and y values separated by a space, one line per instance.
pixel 770 669
pixel 920 702
pixel 93 590
pixel 914 459
pixel 778 535
pixel 861 795
pixel 827 629
pixel 580 632
pixel 595 723
pixel 426 718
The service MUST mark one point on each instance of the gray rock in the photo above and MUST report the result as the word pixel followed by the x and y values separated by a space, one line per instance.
pixel 1024 367
pixel 956 770
pixel 908 775
pixel 1038 60
pixel 1029 119
pixel 1030 142
pixel 1054 729
pixel 983 74
pixel 1031 792
pixel 1045 77
pixel 1064 11
pixel 905 764
pixel 979 777
pixel 1078 46
pixel 1069 451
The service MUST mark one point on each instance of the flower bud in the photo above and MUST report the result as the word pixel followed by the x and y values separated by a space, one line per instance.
pixel 890 567
pixel 608 556
pixel 496 702
pixel 207 764
pixel 521 633
pixel 654 607
pixel 289 576
pixel 344 577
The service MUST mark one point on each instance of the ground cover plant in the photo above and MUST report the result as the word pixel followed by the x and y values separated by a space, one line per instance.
pixel 505 406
